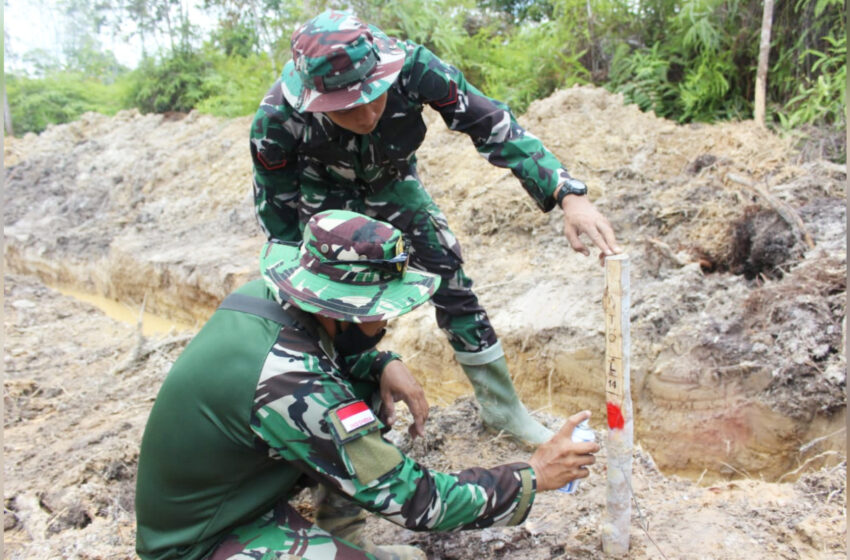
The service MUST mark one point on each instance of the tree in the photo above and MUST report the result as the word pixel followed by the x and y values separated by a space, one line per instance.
pixel 159 20
pixel 272 22
pixel 7 114
pixel 521 10
pixel 764 55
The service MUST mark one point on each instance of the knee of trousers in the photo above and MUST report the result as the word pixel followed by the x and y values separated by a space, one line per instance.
pixel 464 321
pixel 434 246
pixel 455 302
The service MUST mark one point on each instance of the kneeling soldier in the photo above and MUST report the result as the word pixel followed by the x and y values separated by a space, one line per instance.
pixel 284 382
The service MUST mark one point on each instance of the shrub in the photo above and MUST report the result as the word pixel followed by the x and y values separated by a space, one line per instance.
pixel 60 97
pixel 235 84
pixel 175 82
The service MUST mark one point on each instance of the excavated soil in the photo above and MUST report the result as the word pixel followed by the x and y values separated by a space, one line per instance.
pixel 738 279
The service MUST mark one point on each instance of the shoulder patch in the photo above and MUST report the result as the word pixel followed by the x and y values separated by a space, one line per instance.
pixel 356 433
pixel 355 415
pixel 352 420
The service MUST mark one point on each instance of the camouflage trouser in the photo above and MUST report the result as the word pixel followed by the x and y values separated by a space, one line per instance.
pixel 283 534
pixel 407 205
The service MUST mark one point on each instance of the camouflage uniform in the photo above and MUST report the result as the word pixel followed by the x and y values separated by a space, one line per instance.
pixel 304 163
pixel 254 403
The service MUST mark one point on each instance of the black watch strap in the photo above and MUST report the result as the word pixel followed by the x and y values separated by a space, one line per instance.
pixel 570 186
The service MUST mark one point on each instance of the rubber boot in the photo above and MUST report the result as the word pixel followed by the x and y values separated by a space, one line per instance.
pixel 346 520
pixel 501 409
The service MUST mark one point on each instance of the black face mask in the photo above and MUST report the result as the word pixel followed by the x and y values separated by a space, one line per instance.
pixel 354 341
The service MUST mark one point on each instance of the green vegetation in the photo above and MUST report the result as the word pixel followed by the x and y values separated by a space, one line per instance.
pixel 530 64
pixel 174 83
pixel 235 84
pixel 822 97
pixel 699 65
pixel 686 60
pixel 60 97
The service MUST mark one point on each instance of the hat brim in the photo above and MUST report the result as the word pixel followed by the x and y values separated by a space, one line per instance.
pixel 280 266
pixel 305 99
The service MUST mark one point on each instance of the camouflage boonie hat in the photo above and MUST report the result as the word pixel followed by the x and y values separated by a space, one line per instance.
pixel 349 267
pixel 339 62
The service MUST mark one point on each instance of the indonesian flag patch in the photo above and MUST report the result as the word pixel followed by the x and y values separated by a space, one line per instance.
pixel 355 415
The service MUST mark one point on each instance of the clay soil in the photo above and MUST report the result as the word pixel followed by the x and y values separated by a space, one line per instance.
pixel 737 251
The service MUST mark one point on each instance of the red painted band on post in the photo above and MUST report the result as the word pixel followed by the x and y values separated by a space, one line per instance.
pixel 615 417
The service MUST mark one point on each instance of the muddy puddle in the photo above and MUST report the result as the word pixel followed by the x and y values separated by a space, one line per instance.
pixel 151 324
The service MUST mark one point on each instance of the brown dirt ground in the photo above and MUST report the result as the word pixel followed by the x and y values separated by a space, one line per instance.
pixel 737 248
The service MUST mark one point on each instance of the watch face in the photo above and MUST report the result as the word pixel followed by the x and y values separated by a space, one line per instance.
pixel 576 187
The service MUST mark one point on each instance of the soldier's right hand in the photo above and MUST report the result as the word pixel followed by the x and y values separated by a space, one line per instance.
pixel 560 459
pixel 398 384
pixel 582 217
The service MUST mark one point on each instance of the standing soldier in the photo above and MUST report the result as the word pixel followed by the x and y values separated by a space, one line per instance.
pixel 283 387
pixel 340 129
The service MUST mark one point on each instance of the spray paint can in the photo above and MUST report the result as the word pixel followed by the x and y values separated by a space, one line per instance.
pixel 581 434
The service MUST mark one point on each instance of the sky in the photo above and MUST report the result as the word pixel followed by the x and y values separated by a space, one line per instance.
pixel 34 24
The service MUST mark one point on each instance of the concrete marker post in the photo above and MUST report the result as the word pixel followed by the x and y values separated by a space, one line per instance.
pixel 617 522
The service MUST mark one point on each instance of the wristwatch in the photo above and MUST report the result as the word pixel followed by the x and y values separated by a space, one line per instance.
pixel 570 186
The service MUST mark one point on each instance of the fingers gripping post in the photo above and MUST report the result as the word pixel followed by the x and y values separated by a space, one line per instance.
pixel 615 529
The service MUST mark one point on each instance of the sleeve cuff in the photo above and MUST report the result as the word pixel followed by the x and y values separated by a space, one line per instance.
pixel 549 202
pixel 525 497
pixel 381 362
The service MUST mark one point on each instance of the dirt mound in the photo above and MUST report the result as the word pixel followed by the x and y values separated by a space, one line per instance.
pixel 737 249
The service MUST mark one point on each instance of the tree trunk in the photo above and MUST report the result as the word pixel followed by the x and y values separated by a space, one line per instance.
pixel 265 37
pixel 764 55
pixel 593 64
pixel 7 114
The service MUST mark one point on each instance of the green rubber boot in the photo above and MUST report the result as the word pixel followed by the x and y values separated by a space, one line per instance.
pixel 501 408
pixel 344 519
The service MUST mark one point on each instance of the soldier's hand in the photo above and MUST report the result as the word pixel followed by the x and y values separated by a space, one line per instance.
pixel 560 459
pixel 582 217
pixel 398 384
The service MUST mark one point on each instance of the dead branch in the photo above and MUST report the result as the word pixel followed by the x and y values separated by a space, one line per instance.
pixel 791 217
pixel 741 472
pixel 809 445
pixel 806 462
pixel 665 250
pixel 140 352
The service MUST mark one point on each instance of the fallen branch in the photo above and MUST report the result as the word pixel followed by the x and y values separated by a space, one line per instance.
pixel 741 472
pixel 140 353
pixel 791 217
pixel 806 462
pixel 807 446
pixel 666 251
pixel 832 167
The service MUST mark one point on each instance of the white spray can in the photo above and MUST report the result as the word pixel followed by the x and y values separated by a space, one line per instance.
pixel 581 434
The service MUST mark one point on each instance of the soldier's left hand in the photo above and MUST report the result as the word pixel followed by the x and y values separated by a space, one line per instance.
pixel 582 217
pixel 398 384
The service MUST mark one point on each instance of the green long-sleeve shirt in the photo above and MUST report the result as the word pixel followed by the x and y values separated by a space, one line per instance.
pixel 251 406
pixel 292 152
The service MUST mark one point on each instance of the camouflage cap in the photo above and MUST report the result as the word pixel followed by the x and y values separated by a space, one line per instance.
pixel 339 62
pixel 349 267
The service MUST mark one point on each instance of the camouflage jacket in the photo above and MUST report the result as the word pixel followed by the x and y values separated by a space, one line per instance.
pixel 238 420
pixel 289 148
